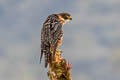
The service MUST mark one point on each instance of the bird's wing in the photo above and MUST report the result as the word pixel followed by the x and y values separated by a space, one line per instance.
pixel 45 44
pixel 50 34
pixel 57 34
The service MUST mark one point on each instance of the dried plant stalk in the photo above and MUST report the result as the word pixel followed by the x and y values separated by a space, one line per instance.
pixel 59 69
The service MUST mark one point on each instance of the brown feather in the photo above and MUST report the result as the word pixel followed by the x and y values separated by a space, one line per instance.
pixel 50 34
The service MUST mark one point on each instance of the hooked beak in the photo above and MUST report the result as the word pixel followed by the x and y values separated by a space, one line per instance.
pixel 70 18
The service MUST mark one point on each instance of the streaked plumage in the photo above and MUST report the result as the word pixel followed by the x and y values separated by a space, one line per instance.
pixel 51 34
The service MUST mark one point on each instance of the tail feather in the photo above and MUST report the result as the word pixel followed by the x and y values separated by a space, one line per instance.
pixel 54 50
pixel 46 60
pixel 47 56
pixel 41 55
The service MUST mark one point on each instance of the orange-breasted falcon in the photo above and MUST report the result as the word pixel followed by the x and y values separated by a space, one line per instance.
pixel 51 35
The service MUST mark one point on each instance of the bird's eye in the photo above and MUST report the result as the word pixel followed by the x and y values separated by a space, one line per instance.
pixel 68 17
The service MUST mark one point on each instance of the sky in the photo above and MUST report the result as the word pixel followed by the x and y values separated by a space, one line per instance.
pixel 91 40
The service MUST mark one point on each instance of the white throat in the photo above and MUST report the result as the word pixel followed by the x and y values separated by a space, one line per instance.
pixel 65 21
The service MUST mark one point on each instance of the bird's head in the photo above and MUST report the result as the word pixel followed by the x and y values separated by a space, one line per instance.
pixel 64 17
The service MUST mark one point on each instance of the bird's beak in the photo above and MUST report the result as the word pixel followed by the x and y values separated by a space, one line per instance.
pixel 70 18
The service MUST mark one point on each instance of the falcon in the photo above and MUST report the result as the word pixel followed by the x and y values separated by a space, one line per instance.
pixel 52 34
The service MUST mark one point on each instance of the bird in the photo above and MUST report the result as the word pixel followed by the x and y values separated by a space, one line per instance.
pixel 52 34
